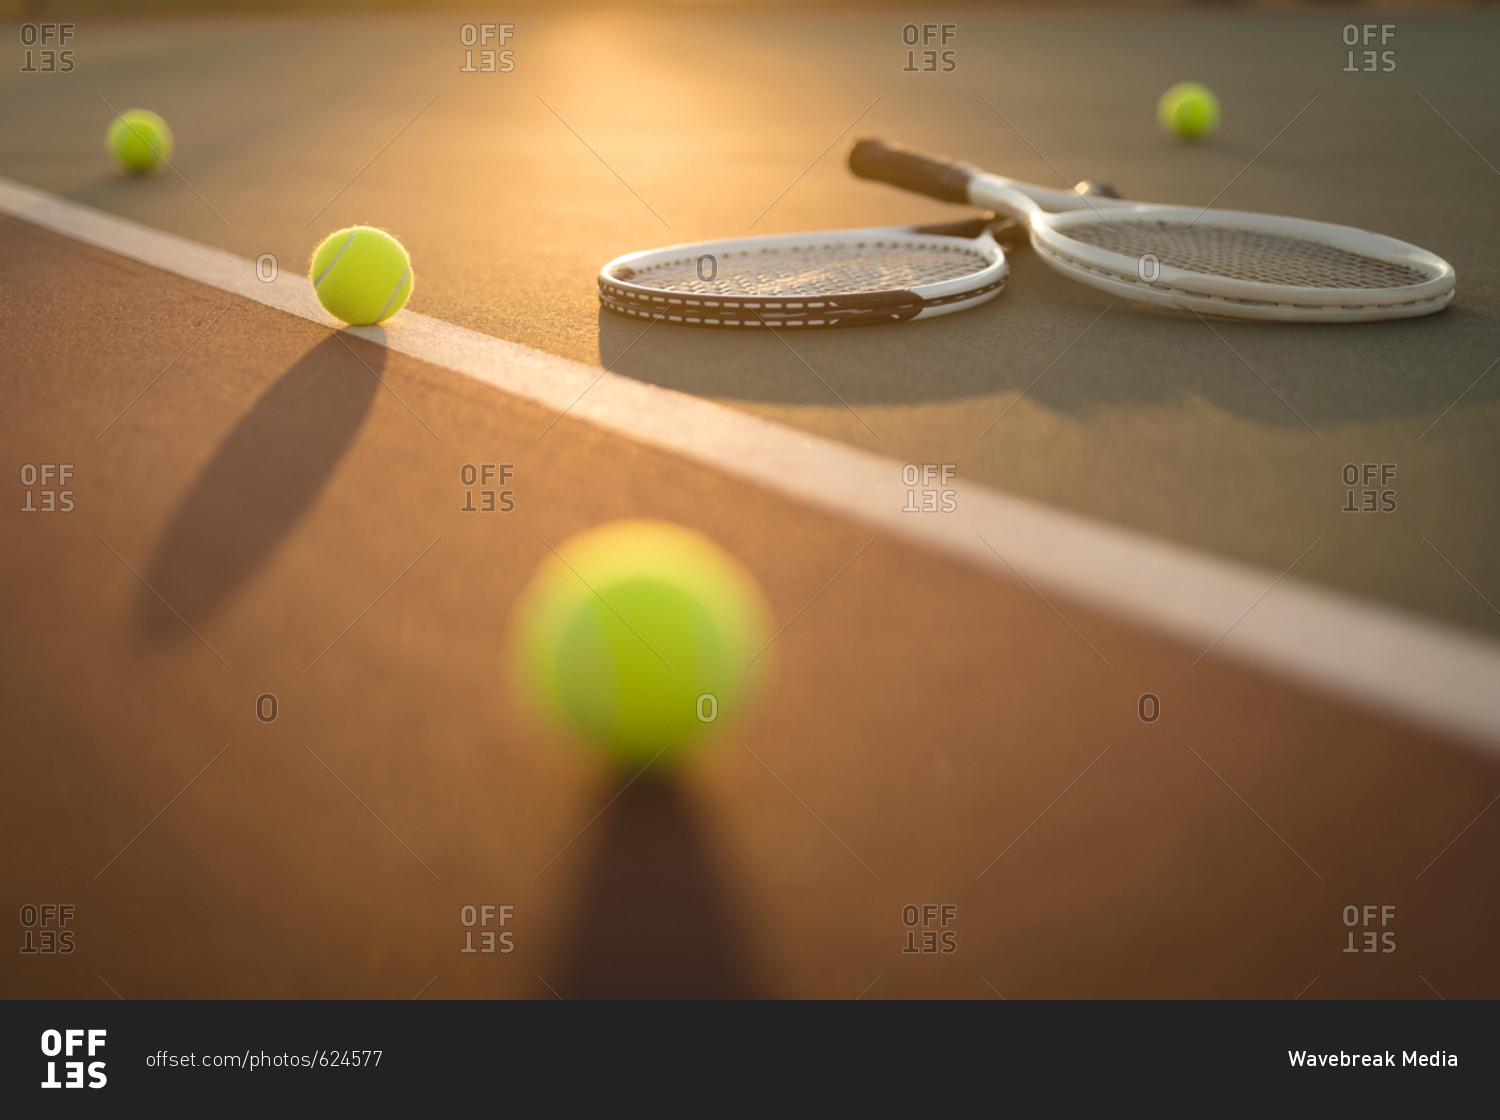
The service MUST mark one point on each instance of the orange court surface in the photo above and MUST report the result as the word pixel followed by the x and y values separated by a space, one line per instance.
pixel 1115 650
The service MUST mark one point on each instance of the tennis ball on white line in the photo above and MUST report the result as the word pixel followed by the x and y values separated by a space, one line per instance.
pixel 1188 110
pixel 642 637
pixel 139 140
pixel 362 275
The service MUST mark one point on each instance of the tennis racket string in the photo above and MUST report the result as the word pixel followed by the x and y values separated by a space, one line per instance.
pixel 1239 254
pixel 810 270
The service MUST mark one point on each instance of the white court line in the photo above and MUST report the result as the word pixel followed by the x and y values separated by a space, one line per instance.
pixel 1416 669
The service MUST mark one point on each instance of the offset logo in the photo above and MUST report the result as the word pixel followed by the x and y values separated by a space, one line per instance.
pixel 493 936
pixel 929 940
pixel 488 38
pixel 491 480
pixel 1361 920
pixel 930 481
pixel 1378 495
pixel 935 57
pixel 46 490
pixel 44 927
pixel 1371 36
pixel 73 1046
pixel 44 43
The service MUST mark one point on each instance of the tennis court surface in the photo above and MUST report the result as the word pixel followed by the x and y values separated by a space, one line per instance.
pixel 1120 652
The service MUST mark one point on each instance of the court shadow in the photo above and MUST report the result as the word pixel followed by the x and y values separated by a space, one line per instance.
pixel 878 364
pixel 1071 349
pixel 653 919
pixel 263 477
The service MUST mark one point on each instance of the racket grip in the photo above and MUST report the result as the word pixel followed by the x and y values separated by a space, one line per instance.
pixel 909 170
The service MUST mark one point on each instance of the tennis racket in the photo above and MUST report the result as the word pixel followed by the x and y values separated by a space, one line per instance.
pixel 840 278
pixel 1218 262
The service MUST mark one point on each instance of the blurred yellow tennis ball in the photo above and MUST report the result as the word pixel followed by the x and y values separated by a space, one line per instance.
pixel 139 140
pixel 644 638
pixel 1188 110
pixel 362 275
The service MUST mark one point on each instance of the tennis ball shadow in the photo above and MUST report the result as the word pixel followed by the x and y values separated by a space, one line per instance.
pixel 118 187
pixel 653 918
pixel 262 478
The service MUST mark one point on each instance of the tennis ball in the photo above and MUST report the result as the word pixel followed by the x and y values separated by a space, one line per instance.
pixel 140 140
pixel 643 638
pixel 362 275
pixel 1188 110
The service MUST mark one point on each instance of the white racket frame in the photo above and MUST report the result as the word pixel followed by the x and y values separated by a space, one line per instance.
pixel 1122 275
pixel 920 301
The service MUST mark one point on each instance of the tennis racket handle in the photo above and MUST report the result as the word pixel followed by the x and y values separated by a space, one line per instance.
pixel 912 171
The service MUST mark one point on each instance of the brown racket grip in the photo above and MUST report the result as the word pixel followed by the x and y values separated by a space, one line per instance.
pixel 912 171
